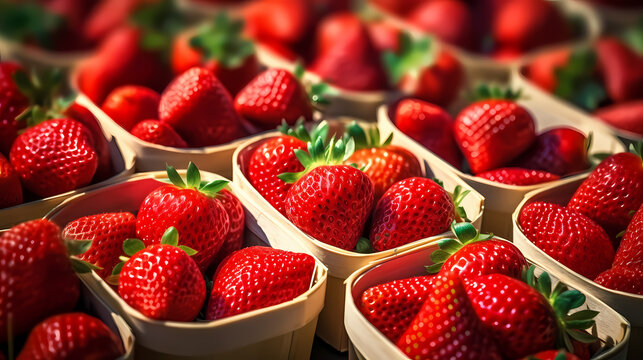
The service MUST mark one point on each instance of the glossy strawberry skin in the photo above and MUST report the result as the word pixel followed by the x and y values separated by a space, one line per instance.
pixel 283 21
pixel 561 151
pixel 54 157
pixel 622 69
pixel 200 109
pixel 107 233
pixel 36 279
pixel 630 251
pixel 391 306
pixel 623 278
pixel 410 210
pixel 625 116
pixel 163 283
pixel 611 191
pixel 273 157
pixel 10 187
pixel 257 277
pixel 447 326
pixel 518 176
pixel 234 238
pixel 331 204
pixel 438 83
pixel 486 257
pixel 449 20
pixel 128 105
pixel 72 336
pixel 12 103
pixel 514 313
pixel 570 238
pixel 159 133
pixel 491 133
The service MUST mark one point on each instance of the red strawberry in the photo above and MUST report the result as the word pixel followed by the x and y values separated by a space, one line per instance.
pixel 391 307
pixel 561 151
pixel 329 201
pixel 552 355
pixel 109 15
pixel 36 279
pixel 385 164
pixel 107 233
pixel 449 20
pixel 412 209
pixel 72 336
pixel 623 278
pixel 54 157
pixel 493 132
pixel 518 176
pixel 625 116
pixel 622 70
pixel 447 326
pixel 542 69
pixel 10 188
pixel 612 191
pixel 397 7
pixel 128 105
pixel 273 96
pixel 567 236
pixel 162 281
pixel 257 277
pixel 429 125
pixel 234 239
pixel 630 251
pixel 158 132
pixel 281 21
pixel 385 36
pixel 190 207
pixel 12 103
pixel 200 109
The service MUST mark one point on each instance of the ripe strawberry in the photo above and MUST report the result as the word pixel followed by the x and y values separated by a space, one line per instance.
pixel 412 209
pixel 391 306
pixel 234 239
pixel 494 131
pixel 625 116
pixel 612 191
pixel 569 237
pixel 257 277
pixel 561 151
pixel 552 355
pixel 128 105
pixel 447 326
pixel 12 103
pixel 190 207
pixel 109 15
pixel 36 279
pixel 107 233
pixel 518 176
pixel 200 109
pixel 329 201
pixel 429 125
pixel 385 37
pixel 622 70
pixel 10 188
pixel 72 336
pixel 630 251
pixel 273 96
pixel 623 278
pixel 385 164
pixel 161 281
pixel 280 21
pixel 54 157
pixel 542 69
pixel 449 20
pixel 396 7
pixel 158 132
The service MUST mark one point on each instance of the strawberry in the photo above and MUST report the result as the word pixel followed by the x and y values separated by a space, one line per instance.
pixel 200 109
pixel 328 200
pixel 623 278
pixel 447 326
pixel 412 209
pixel 128 105
pixel 552 355
pixel 158 132
pixel 385 36
pixel 622 70
pixel 391 306
pixel 280 21
pixel 107 233
pixel 561 151
pixel 493 131
pixel 612 191
pixel 385 164
pixel 273 96
pixel 234 239
pixel 36 279
pixel 626 116
pixel 190 207
pixel 569 237
pixel 429 125
pixel 542 69
pixel 528 317
pixel 630 251
pixel 161 280
pixel 396 7
pixel 276 156
pixel 471 255
pixel 10 188
pixel 12 103
pixel 449 20
pixel 54 157
pixel 518 176
pixel 72 336
pixel 109 15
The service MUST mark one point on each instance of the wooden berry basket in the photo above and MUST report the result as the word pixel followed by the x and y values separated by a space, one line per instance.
pixel 341 263
pixel 283 331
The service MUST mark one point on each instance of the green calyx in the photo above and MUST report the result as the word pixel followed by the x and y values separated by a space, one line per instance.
pixel 364 246
pixel 76 248
pixel 43 90
pixel 299 131
pixel 223 41
pixel 637 149
pixel 412 57
pixel 318 93
pixel 193 181
pixel 575 81
pixel 159 21
pixel 364 140
pixel 633 37
pixel 562 301
pixel 457 196
pixel 486 92
pixel 25 21
pixel 465 234
pixel 336 153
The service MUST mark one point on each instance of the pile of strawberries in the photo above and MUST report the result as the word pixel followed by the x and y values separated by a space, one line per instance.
pixel 480 300
pixel 598 233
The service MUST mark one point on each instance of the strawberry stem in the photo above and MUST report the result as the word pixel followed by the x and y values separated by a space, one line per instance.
pixel 336 153
pixel 300 132
pixel 223 40
pixel 485 91
pixel 465 234
pixel 412 57
pixel 193 181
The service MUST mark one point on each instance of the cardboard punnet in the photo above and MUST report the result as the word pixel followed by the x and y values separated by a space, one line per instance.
pixel 34 56
pixel 283 331
pixel 502 199
pixel 369 343
pixel 628 305
pixel 341 263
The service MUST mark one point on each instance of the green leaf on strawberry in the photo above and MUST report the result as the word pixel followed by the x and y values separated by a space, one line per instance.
pixel 317 92
pixel 223 40
pixel 488 91
pixel 633 37
pixel 336 153
pixel 159 21
pixel 465 234
pixel 193 180
pixel 78 247
pixel 300 132
pixel 412 57
pixel 26 21
pixel 576 81
pixel 364 141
